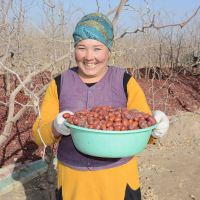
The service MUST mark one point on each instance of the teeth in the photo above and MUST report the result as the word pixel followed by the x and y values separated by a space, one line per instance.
pixel 90 65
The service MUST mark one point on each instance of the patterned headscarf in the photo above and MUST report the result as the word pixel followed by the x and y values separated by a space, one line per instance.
pixel 94 26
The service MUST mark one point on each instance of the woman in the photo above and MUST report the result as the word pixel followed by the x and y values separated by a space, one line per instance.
pixel 92 83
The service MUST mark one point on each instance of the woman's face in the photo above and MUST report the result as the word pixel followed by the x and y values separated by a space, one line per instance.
pixel 92 58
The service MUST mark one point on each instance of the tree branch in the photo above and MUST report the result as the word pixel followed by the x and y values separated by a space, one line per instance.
pixel 98 7
pixel 119 10
pixel 152 24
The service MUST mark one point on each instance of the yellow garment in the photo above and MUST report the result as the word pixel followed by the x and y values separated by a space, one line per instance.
pixel 106 184
pixel 48 111
pixel 137 100
pixel 86 185
pixel 136 97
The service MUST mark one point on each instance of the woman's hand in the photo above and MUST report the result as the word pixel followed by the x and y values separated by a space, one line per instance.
pixel 58 126
pixel 162 124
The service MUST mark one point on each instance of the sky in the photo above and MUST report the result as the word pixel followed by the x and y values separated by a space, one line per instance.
pixel 168 10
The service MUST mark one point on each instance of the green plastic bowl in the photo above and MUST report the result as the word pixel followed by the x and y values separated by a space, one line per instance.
pixel 110 144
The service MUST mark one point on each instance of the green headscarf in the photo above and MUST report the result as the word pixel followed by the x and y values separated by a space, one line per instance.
pixel 94 26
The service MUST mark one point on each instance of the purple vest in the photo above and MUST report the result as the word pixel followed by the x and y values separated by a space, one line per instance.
pixel 75 96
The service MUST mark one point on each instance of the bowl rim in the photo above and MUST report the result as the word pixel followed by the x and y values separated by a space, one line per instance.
pixel 67 124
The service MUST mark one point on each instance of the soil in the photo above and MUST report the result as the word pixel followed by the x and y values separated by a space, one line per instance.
pixel 170 170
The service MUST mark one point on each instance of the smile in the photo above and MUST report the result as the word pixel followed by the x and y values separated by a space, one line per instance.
pixel 90 66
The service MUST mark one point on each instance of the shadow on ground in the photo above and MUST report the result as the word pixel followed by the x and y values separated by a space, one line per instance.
pixel 37 188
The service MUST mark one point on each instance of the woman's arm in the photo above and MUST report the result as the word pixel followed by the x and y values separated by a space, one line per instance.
pixel 137 100
pixel 42 127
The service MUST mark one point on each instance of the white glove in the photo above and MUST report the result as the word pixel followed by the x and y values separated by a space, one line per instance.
pixel 58 123
pixel 162 124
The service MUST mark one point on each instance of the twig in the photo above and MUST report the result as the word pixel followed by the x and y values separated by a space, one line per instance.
pixel 3 103
pixel 112 11
pixel 152 25
pixel 98 7
pixel 119 10
pixel 49 4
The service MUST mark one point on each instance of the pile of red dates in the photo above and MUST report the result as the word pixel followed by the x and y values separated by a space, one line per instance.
pixel 110 118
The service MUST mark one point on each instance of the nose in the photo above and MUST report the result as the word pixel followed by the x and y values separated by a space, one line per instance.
pixel 89 55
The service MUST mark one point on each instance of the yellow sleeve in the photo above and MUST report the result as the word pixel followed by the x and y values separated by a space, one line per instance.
pixel 137 100
pixel 48 111
pixel 136 97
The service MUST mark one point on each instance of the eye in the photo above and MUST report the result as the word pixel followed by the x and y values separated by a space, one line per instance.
pixel 81 48
pixel 97 49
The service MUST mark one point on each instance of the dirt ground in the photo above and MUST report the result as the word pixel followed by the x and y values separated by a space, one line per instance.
pixel 169 170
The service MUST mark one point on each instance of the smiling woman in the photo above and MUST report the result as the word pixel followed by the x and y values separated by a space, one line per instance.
pixel 91 83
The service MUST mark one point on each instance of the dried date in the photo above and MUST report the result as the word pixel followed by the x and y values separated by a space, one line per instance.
pixel 111 118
